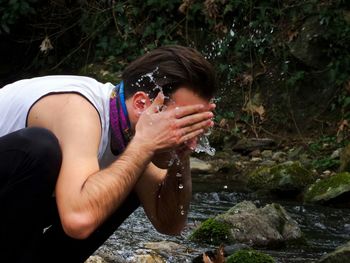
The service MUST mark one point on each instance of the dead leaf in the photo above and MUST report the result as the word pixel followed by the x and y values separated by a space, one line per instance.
pixel 186 4
pixel 218 258
pixel 344 124
pixel 247 79
pixel 206 259
pixel 46 45
pixel 255 109
pixel 292 35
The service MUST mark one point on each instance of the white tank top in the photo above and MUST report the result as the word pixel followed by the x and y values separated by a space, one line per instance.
pixel 17 98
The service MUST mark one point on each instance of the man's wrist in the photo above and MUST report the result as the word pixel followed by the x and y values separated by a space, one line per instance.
pixel 144 147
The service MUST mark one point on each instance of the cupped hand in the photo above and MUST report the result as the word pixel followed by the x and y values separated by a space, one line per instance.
pixel 171 128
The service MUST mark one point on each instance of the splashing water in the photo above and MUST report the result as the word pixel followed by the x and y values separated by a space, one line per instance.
pixel 203 145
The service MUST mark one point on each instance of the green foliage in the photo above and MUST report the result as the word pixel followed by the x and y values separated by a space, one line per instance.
pixel 12 11
pixel 322 149
pixel 213 232
pixel 249 256
pixel 248 41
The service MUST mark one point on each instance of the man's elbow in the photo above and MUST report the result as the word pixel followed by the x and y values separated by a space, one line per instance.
pixel 170 229
pixel 78 226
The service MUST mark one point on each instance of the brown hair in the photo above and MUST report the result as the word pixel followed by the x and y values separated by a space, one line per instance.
pixel 170 67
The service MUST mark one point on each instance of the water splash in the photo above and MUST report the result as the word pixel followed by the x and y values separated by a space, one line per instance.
pixel 203 144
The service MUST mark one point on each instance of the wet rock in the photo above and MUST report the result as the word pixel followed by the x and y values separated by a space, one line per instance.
pixel 249 256
pixel 164 246
pixel 247 145
pixel 199 166
pixel 341 254
pixel 334 190
pixel 268 226
pixel 289 178
pixel 95 259
pixel 148 258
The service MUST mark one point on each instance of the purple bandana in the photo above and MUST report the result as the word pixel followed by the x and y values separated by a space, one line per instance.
pixel 119 121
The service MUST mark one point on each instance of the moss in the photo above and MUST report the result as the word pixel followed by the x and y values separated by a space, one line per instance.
pixel 326 189
pixel 213 232
pixel 287 176
pixel 249 256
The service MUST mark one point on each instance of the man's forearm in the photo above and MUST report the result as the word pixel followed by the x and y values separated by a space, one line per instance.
pixel 166 198
pixel 104 191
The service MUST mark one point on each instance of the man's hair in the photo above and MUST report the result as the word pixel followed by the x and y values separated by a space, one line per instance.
pixel 168 68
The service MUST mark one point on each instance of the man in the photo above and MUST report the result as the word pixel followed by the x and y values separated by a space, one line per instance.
pixel 78 156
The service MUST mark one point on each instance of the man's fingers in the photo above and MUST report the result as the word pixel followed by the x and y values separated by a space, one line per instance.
pixel 200 125
pixel 192 119
pixel 188 110
pixel 191 135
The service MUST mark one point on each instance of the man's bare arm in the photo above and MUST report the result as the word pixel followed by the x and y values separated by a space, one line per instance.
pixel 166 195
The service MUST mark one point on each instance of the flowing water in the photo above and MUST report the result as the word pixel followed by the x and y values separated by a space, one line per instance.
pixel 325 228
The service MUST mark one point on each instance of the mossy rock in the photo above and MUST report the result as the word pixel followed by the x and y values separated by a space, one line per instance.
pixel 213 232
pixel 249 256
pixel 326 189
pixel 285 177
pixel 340 255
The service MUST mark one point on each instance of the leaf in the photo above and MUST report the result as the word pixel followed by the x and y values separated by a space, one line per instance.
pixel 292 35
pixel 206 259
pixel 218 258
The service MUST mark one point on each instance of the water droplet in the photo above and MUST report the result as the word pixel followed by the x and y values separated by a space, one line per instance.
pixel 181 186
pixel 225 186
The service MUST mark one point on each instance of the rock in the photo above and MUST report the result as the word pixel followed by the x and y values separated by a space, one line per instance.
pixel 330 189
pixel 269 226
pixel 341 254
pixel 336 153
pixel 268 163
pixel 164 246
pixel 249 256
pixel 290 178
pixel 307 46
pixel 148 258
pixel 246 146
pixel 221 138
pixel 199 166
pixel 279 157
pixel 95 259
pixel 266 154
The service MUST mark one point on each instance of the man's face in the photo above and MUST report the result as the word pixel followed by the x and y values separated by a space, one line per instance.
pixel 184 97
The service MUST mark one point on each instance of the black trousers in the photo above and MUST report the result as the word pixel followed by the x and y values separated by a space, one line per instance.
pixel 30 228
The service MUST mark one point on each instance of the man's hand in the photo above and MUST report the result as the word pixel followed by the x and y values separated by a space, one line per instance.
pixel 171 129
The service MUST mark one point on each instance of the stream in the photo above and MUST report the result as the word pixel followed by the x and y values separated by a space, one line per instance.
pixel 324 228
